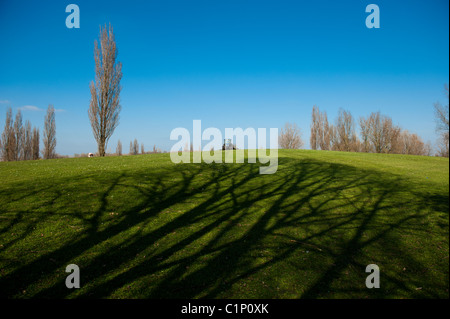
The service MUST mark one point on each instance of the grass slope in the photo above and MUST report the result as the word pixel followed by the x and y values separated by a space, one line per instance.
pixel 143 227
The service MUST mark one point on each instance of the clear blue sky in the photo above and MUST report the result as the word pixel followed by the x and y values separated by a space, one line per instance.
pixel 228 63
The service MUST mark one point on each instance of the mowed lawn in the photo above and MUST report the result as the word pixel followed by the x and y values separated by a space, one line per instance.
pixel 143 227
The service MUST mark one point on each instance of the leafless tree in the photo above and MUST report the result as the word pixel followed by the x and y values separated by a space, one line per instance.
pixel 119 148
pixel 428 149
pixel 443 145
pixel 18 131
pixel 155 149
pixel 364 125
pixel 49 133
pixel 27 145
pixel 320 130
pixel 142 149
pixel 104 107
pixel 324 132
pixel 442 120
pixel 381 133
pixel 345 138
pixel 412 144
pixel 290 137
pixel 35 144
pixel 314 140
pixel 134 147
pixel 8 138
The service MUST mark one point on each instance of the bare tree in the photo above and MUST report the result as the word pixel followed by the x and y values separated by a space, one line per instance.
pixel 134 147
pixel 290 137
pixel 314 138
pixel 412 144
pixel 142 149
pixel 443 145
pixel 18 131
pixel 27 145
pixel 381 133
pixel 364 125
pixel 320 130
pixel 345 137
pixel 8 138
pixel 442 121
pixel 104 107
pixel 324 132
pixel 35 144
pixel 157 150
pixel 119 148
pixel 428 149
pixel 49 133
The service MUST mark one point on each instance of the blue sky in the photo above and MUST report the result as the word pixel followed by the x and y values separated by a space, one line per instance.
pixel 228 63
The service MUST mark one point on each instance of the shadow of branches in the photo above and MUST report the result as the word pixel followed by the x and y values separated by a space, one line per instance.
pixel 224 231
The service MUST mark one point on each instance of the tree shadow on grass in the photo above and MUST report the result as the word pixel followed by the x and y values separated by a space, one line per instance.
pixel 224 231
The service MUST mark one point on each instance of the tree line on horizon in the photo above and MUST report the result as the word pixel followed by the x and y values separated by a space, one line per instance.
pixel 377 134
pixel 20 142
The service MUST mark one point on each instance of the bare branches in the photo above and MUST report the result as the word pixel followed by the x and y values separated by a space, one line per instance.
pixel 134 147
pixel 27 142
pixel 18 142
pixel 8 138
pixel 411 144
pixel 290 137
pixel 104 107
pixel 119 148
pixel 35 144
pixel 320 130
pixel 314 138
pixel 379 134
pixel 442 125
pixel 345 138
pixel 49 133
pixel 364 125
pixel 18 131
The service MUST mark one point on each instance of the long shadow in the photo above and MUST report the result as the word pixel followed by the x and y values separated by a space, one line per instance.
pixel 339 212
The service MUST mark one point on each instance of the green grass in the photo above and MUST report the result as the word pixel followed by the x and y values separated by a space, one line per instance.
pixel 143 227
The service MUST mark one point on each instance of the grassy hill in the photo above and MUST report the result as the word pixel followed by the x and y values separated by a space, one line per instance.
pixel 143 227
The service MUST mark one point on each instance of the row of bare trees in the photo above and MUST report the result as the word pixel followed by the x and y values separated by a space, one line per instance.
pixel 21 142
pixel 377 134
pixel 377 131
pixel 134 148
